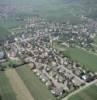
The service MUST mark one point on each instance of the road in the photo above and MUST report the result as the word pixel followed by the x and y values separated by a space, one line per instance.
pixel 79 90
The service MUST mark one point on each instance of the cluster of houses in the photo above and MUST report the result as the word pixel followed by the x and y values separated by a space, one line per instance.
pixel 2 55
pixel 81 34
pixel 11 51
pixel 60 74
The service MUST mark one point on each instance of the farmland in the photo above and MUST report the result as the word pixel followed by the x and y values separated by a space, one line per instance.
pixel 18 85
pixel 6 90
pixel 58 47
pixel 79 55
pixel 83 57
pixel 88 94
pixel 35 86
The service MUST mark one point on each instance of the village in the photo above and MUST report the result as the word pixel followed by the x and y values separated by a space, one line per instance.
pixel 59 73
pixel 69 34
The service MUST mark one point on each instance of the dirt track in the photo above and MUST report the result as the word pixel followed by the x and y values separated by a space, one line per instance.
pixel 21 91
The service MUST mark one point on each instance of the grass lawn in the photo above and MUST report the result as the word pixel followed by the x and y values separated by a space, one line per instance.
pixel 83 57
pixel 38 90
pixel 6 90
pixel 88 94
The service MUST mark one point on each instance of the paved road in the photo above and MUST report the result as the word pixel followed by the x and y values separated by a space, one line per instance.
pixel 82 88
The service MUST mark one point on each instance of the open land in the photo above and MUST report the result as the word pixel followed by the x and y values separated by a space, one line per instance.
pixel 83 57
pixel 35 86
pixel 6 90
pixel 22 93
pixel 88 94
pixel 79 55
pixel 4 32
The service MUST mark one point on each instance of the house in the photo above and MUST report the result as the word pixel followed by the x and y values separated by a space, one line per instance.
pixel 49 83
pixel 44 78
pixel 57 91
pixel 38 73
pixel 88 77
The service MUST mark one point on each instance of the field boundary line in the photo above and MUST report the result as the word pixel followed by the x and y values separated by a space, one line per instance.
pixel 21 91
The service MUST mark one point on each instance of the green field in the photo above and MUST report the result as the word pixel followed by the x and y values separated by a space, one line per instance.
pixel 88 94
pixel 3 32
pixel 95 40
pixel 35 86
pixel 6 90
pixel 11 23
pixel 59 47
pixel 79 55
pixel 83 57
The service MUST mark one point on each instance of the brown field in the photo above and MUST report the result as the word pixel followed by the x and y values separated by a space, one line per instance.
pixel 21 91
